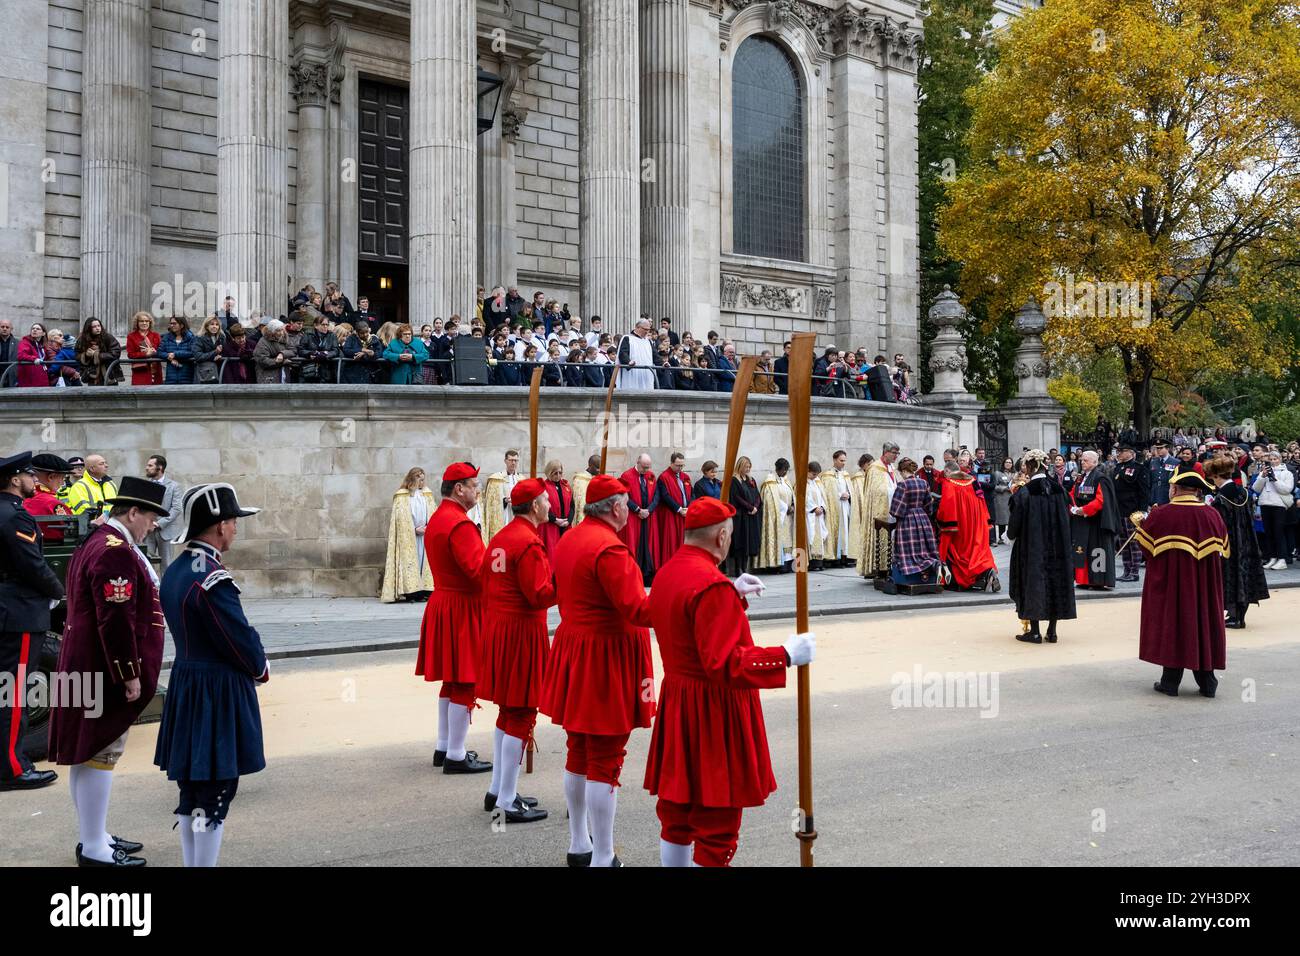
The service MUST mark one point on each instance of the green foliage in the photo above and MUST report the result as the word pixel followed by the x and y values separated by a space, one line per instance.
pixel 1281 425
pixel 1081 403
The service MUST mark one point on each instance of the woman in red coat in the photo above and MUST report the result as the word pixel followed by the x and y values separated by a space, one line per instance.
pixel 142 343
pixel 31 349
pixel 708 753
pixel 560 496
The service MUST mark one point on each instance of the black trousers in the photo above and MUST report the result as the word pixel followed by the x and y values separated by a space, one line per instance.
pixel 1274 532
pixel 1171 677
pixel 16 650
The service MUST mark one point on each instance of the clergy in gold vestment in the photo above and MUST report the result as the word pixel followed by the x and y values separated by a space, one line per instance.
pixel 406 572
pixel 579 486
pixel 873 560
pixel 858 513
pixel 494 503
pixel 776 544
pixel 837 488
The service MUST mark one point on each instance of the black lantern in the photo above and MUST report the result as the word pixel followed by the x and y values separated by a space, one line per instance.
pixel 489 99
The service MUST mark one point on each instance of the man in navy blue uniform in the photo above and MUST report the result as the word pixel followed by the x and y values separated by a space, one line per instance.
pixel 211 732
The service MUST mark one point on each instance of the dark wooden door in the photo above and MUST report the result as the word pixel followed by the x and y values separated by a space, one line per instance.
pixel 384 172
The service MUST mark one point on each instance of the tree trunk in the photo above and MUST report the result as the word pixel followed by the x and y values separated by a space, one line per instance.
pixel 1142 404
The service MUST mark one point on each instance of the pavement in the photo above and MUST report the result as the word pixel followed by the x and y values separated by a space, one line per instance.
pixel 1069 758
pixel 307 627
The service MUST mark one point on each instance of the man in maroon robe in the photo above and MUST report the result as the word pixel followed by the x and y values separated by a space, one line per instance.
pixel 668 520
pixel 640 481
pixel 1182 594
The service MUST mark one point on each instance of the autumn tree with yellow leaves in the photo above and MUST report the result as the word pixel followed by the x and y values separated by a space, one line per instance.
pixel 1137 144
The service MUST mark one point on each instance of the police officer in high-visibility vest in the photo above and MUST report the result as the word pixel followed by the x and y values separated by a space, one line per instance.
pixel 27 588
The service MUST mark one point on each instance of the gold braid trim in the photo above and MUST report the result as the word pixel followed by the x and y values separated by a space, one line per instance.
pixel 1179 542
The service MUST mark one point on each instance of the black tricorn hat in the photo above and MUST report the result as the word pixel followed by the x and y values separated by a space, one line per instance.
pixel 206 505
pixel 142 493
pixel 51 463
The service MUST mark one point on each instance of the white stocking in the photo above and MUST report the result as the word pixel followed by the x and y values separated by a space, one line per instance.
pixel 512 751
pixel 575 796
pixel 458 721
pixel 497 735
pixel 602 802
pixel 443 702
pixel 207 843
pixel 674 854
pixel 185 824
pixel 91 800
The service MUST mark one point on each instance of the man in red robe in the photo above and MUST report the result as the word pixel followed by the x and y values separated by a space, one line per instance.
pixel 668 521
pixel 449 633
pixel 964 533
pixel 636 534
pixel 599 682
pixel 113 634
pixel 49 471
pixel 1182 594
pixel 708 752
pixel 518 588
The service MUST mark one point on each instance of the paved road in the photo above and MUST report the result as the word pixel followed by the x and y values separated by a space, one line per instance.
pixel 1082 764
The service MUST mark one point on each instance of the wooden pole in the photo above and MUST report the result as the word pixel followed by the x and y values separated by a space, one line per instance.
pixel 800 386
pixel 609 407
pixel 736 421
pixel 534 413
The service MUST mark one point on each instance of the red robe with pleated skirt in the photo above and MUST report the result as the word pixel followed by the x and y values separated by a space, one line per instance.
pixel 600 676
pixel 963 530
pixel 517 590
pixel 1182 593
pixel 449 633
pixel 667 525
pixel 709 745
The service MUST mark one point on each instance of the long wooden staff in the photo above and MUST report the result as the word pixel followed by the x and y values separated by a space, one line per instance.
pixel 534 409
pixel 801 364
pixel 609 406
pixel 736 421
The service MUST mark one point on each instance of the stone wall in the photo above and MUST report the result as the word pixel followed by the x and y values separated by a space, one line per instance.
pixel 324 461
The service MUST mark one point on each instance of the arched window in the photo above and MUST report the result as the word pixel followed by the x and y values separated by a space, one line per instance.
pixel 768 172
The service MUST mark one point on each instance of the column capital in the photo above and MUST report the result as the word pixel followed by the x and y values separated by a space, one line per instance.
pixel 315 82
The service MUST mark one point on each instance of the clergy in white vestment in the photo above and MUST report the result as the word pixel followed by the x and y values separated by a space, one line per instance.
pixel 636 355
pixel 815 510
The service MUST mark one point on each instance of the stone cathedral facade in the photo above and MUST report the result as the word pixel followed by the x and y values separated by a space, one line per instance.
pixel 748 166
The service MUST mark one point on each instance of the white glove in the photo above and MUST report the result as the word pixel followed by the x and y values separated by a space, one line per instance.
pixel 748 584
pixel 801 649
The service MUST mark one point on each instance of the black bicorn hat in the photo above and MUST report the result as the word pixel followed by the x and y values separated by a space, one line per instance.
pixel 15 465
pixel 142 493
pixel 205 505
pixel 1191 478
pixel 51 463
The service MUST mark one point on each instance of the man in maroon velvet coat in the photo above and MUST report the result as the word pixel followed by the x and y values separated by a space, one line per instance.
pixel 1182 596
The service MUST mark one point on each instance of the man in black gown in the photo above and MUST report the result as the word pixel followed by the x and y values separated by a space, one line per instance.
pixel 1095 523
pixel 1244 582
pixel 1041 564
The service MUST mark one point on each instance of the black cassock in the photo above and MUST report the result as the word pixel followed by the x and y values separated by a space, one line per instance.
pixel 1042 570
pixel 1094 535
pixel 746 529
pixel 1243 571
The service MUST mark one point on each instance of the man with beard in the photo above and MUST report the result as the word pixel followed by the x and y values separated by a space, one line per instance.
pixel 1094 523
pixel 1182 597
pixel 1132 481
pixel 1042 570
pixel 636 533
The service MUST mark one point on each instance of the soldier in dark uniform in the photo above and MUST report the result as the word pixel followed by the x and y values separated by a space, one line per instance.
pixel 211 733
pixel 1132 480
pixel 27 586
pixel 113 642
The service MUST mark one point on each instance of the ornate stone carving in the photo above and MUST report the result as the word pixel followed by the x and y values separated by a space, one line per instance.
pixel 511 121
pixel 954 362
pixel 825 296
pixel 839 31
pixel 315 83
pixel 739 294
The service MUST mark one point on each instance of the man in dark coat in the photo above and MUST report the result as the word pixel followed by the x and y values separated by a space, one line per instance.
pixel 113 637
pixel 782 369
pixel 1041 567
pixel 1161 466
pixel 1095 522
pixel 27 586
pixel 211 731
pixel 1182 598
pixel 1244 582
pixel 1132 480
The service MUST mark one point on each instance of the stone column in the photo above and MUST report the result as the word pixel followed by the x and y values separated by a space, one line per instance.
pixel 948 363
pixel 444 160
pixel 1033 417
pixel 115 162
pixel 665 138
pixel 609 162
pixel 253 154
pixel 311 86
pixel 497 264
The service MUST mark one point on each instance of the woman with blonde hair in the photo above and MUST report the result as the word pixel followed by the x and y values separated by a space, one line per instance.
pixel 209 347
pixel 747 525
pixel 142 343
pixel 406 572
pixel 561 496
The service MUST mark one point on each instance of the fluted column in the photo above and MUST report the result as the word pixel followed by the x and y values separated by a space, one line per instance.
pixel 609 161
pixel 497 262
pixel 115 162
pixel 253 153
pixel 665 141
pixel 444 159
pixel 311 88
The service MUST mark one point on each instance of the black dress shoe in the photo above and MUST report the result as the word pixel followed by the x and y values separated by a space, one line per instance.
pixel 439 757
pixel 1165 690
pixel 490 801
pixel 1129 578
pixel 522 813
pixel 471 764
pixel 578 859
pixel 1051 637
pixel 31 780
pixel 128 847
pixel 1033 637
pixel 1234 624
pixel 120 858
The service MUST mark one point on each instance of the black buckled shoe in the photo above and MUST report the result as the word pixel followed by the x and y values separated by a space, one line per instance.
pixel 30 780
pixel 1030 637
pixel 522 813
pixel 129 847
pixel 578 859
pixel 490 801
pixel 120 858
pixel 1234 624
pixel 471 764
